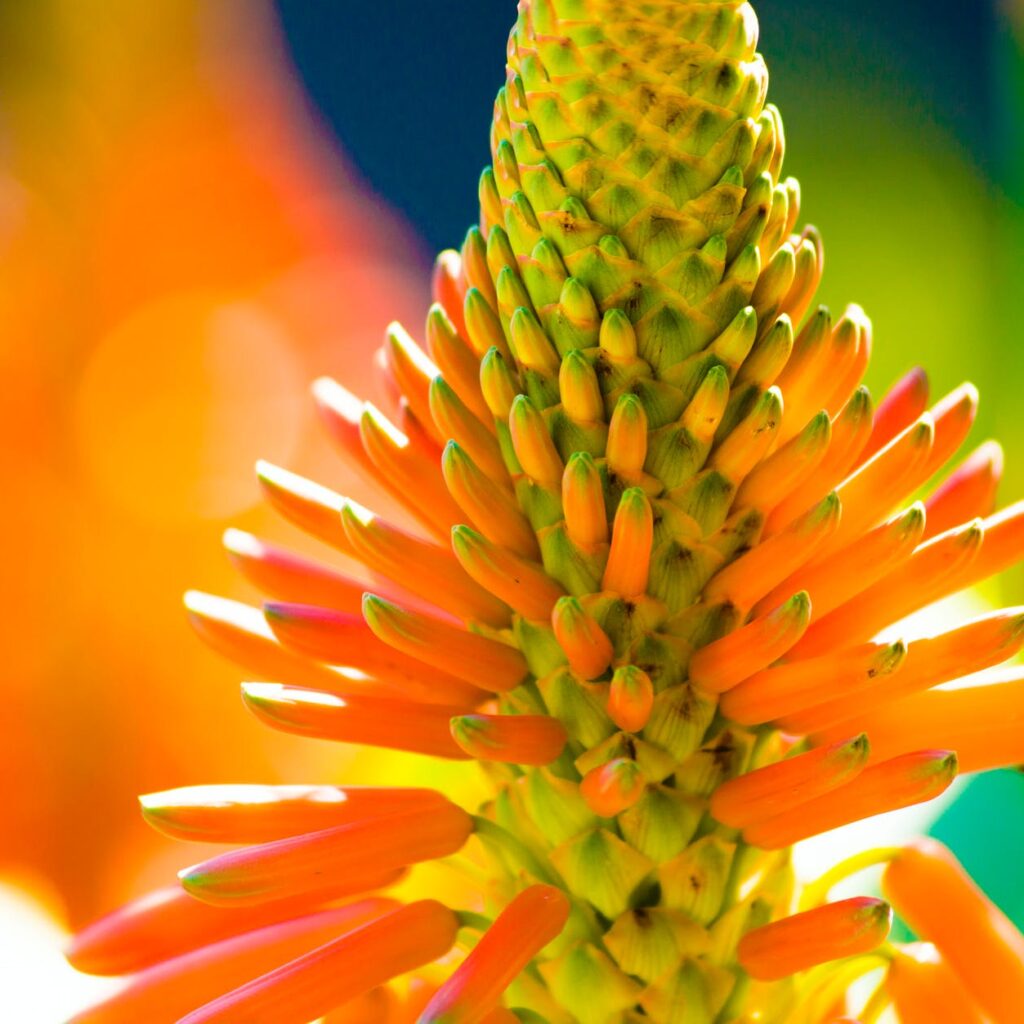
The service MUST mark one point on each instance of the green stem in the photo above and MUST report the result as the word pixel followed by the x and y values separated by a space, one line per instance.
pixel 471 919
pixel 492 833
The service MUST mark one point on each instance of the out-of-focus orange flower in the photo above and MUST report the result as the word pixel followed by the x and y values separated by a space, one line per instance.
pixel 177 251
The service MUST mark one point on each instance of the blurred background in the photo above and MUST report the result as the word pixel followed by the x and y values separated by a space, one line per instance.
pixel 204 205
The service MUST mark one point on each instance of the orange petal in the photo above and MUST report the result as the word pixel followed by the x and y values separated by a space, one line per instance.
pixel 839 577
pixel 457 422
pixel 535 917
pixel 626 448
pixel 457 363
pixel 933 571
pixel 341 410
pixel 168 923
pixel 377 722
pixel 378 1006
pixel 476 659
pixel 533 445
pixel 629 559
pixel 925 990
pixel 869 494
pixel 258 814
pixel 241 633
pixel 399 468
pixel 448 287
pixel 419 566
pixel 583 502
pixel 613 787
pixel 290 577
pixel 984 724
pixel 792 687
pixel 972 647
pixel 939 901
pixel 171 990
pixel 776 788
pixel 339 638
pixel 491 509
pixel 515 739
pixel 857 355
pixel 786 469
pixel 309 986
pixel 412 371
pixel 745 446
pixel 968 492
pixel 909 779
pixel 744 582
pixel 953 417
pixel 832 932
pixel 521 584
pixel 306 863
pixel 801 380
pixel 585 644
pixel 905 401
pixel 630 698
pixel 725 662
pixel 310 506
pixel 850 431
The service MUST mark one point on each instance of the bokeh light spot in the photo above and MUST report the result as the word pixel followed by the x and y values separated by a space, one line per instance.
pixel 179 400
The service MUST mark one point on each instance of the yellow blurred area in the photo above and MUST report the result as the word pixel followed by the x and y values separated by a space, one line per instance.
pixel 180 254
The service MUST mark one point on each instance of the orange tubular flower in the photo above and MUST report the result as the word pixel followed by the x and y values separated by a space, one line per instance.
pixel 516 739
pixel 346 967
pixel 723 663
pixel 289 867
pixel 422 728
pixel 909 779
pixel 931 890
pixel 647 531
pixel 984 724
pixel 172 988
pixel 259 814
pixel 523 929
pixel 814 937
pixel 786 785
pixel 924 989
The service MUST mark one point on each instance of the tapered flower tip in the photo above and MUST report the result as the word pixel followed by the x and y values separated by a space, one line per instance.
pixel 255 814
pixel 309 505
pixel 900 782
pixel 217 963
pixel 319 861
pixel 535 917
pixel 287 575
pixel 203 607
pixel 630 698
pixel 380 722
pixel 612 788
pixel 814 937
pixel 311 985
pixel 585 644
pixel 515 739
pixel 167 924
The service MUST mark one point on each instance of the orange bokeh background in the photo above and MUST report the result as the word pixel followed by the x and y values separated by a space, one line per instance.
pixel 181 252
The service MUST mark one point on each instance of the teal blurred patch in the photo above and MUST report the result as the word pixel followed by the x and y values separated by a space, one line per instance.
pixel 985 829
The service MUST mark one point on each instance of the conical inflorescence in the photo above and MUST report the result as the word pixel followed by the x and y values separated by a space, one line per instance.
pixel 659 529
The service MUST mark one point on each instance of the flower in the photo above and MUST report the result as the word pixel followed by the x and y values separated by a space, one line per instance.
pixel 659 528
